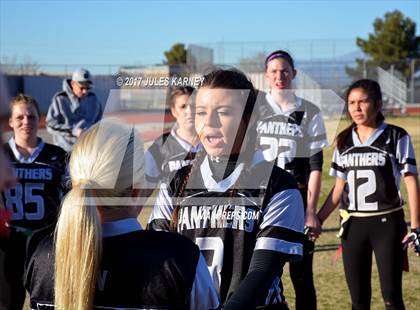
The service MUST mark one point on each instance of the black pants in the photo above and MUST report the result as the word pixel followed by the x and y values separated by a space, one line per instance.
pixel 301 275
pixel 301 272
pixel 382 235
pixel 12 260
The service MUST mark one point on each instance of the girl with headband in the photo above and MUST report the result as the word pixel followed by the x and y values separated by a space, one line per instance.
pixel 291 134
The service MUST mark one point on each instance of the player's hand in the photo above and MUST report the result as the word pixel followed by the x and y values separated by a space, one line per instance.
pixel 312 222
pixel 412 240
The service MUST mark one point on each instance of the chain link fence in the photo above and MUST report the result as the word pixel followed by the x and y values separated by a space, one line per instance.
pixel 321 65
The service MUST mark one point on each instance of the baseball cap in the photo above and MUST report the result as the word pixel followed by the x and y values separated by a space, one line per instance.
pixel 82 76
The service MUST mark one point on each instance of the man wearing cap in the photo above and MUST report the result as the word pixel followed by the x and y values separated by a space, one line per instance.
pixel 73 110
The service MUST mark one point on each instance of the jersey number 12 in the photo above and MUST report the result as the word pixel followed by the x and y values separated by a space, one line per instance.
pixel 361 191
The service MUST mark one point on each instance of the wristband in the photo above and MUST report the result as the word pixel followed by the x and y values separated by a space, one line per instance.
pixel 414 238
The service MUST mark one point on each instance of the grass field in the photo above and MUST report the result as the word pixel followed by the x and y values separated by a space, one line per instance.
pixel 329 278
pixel 330 284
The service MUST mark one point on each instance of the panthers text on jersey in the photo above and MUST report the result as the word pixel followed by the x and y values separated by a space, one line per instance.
pixel 258 208
pixel 34 203
pixel 292 138
pixel 35 199
pixel 373 169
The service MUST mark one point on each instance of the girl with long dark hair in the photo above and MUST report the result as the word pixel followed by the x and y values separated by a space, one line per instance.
pixel 245 215
pixel 368 162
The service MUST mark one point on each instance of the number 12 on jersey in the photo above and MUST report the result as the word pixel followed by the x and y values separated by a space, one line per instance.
pixel 359 192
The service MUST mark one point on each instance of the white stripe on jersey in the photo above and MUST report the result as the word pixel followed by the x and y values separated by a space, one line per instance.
pixel 203 293
pixel 338 174
pixel 405 151
pixel 409 169
pixel 274 244
pixel 43 306
pixel 316 146
pixel 337 160
pixel 163 207
pixel 285 209
pixel 316 128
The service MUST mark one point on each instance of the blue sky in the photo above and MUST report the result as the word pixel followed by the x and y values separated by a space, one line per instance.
pixel 138 32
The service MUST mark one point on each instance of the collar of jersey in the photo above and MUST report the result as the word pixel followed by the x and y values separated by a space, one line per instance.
pixel 185 145
pixel 223 185
pixel 120 227
pixel 376 133
pixel 276 108
pixel 26 160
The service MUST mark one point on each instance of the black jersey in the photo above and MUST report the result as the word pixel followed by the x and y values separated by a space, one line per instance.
pixel 166 155
pixel 34 201
pixel 293 138
pixel 252 209
pixel 372 169
pixel 139 270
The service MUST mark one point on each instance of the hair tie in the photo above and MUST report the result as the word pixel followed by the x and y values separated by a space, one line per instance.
pixel 86 184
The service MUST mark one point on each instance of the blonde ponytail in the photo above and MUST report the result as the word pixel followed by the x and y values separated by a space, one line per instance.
pixel 77 253
pixel 102 165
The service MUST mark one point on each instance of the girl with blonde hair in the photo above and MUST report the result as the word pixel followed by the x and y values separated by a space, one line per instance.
pixel 102 258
